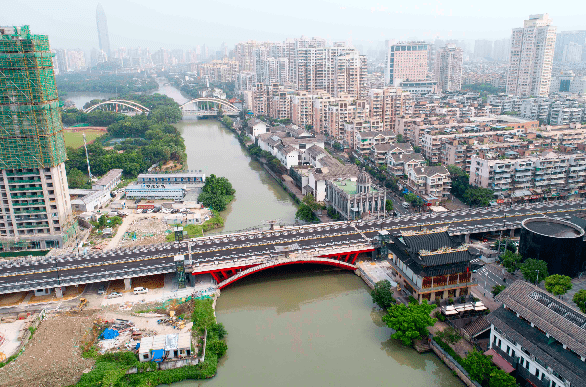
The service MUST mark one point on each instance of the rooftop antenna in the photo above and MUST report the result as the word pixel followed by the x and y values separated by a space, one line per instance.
pixel 87 157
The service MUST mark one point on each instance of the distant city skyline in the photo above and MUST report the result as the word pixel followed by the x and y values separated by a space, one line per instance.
pixel 153 24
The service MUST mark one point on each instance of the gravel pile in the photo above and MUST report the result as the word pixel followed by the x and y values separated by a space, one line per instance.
pixel 52 357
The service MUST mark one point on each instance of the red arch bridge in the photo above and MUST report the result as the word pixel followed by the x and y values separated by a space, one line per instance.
pixel 226 273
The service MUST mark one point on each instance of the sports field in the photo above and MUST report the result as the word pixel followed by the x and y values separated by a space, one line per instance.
pixel 75 139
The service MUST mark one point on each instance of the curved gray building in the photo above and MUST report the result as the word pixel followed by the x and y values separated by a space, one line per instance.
pixel 557 242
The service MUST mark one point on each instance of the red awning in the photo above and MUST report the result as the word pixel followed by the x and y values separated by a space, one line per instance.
pixel 499 361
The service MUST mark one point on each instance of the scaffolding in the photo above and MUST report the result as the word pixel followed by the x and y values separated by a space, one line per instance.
pixel 31 132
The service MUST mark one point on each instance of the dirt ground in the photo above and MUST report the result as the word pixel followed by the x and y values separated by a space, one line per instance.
pixel 12 299
pixel 52 357
pixel 69 293
pixel 151 282
pixel 140 230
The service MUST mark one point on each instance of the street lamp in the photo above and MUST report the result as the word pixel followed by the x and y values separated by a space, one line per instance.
pixel 537 282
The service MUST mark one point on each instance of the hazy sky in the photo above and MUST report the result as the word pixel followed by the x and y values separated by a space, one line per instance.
pixel 184 24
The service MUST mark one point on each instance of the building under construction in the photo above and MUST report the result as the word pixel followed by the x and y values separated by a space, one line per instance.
pixel 35 212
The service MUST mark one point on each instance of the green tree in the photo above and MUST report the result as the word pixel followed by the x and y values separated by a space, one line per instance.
pixel 534 270
pixel 511 260
pixel 219 330
pixel 332 213
pixel 478 365
pixel 409 322
pixel 580 300
pixel 496 289
pixel 499 378
pixel 216 193
pixel 305 214
pixel 102 221
pixel 558 284
pixel 478 197
pixel 218 347
pixel 76 179
pixel 389 205
pixel 309 200
pixel 382 294
pixel 400 138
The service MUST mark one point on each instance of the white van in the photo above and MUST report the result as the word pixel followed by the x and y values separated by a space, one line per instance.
pixel 140 290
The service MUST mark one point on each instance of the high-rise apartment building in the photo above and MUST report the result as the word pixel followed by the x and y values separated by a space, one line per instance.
pixel 531 58
pixel 572 53
pixel 35 208
pixel 483 49
pixel 449 60
pixel 350 75
pixel 566 37
pixel 75 60
pixel 407 61
pixel 103 37
pixel 501 50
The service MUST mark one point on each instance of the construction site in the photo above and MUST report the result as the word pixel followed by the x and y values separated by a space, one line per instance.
pixel 36 213
pixel 55 347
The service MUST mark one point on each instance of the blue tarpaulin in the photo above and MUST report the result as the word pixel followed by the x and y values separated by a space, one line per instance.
pixel 158 355
pixel 110 334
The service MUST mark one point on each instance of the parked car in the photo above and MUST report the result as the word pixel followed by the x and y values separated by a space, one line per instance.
pixel 140 290
pixel 405 204
pixel 114 295
pixel 102 289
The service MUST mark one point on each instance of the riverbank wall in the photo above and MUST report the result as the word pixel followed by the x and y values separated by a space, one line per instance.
pixel 453 364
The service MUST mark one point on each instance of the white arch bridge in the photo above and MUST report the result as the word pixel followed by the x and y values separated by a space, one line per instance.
pixel 209 107
pixel 119 106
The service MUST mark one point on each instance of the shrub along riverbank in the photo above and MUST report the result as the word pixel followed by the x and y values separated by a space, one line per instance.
pixel 110 369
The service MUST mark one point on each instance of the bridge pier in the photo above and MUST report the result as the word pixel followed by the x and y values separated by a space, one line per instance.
pixel 512 233
pixel 127 283
pixel 467 238
pixel 59 292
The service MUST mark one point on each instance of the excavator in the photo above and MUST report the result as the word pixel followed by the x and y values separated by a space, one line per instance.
pixel 82 303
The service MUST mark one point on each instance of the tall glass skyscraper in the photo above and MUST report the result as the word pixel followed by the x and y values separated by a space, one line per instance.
pixel 103 38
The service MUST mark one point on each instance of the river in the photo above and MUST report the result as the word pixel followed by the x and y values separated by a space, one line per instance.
pixel 295 325
pixel 214 149
pixel 298 327
pixel 80 98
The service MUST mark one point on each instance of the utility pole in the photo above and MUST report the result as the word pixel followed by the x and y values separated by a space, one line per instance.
pixel 87 157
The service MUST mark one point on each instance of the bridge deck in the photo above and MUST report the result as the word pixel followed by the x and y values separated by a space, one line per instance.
pixel 234 249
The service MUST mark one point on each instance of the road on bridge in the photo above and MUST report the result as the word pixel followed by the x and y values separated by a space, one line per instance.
pixel 47 272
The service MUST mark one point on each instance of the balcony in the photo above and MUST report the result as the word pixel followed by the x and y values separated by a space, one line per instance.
pixel 43 211
pixel 24 181
pixel 28 204
pixel 26 226
pixel 14 189
pixel 22 173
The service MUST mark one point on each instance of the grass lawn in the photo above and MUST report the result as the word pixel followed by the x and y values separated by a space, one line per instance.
pixel 75 139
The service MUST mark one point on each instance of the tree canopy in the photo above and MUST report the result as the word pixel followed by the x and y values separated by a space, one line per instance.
pixel 477 364
pixel 305 214
pixel 461 188
pixel 119 84
pixel 580 300
pixel 146 142
pixel 534 270
pixel 382 294
pixel 558 284
pixel 409 322
pixel 511 261
pixel 216 193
